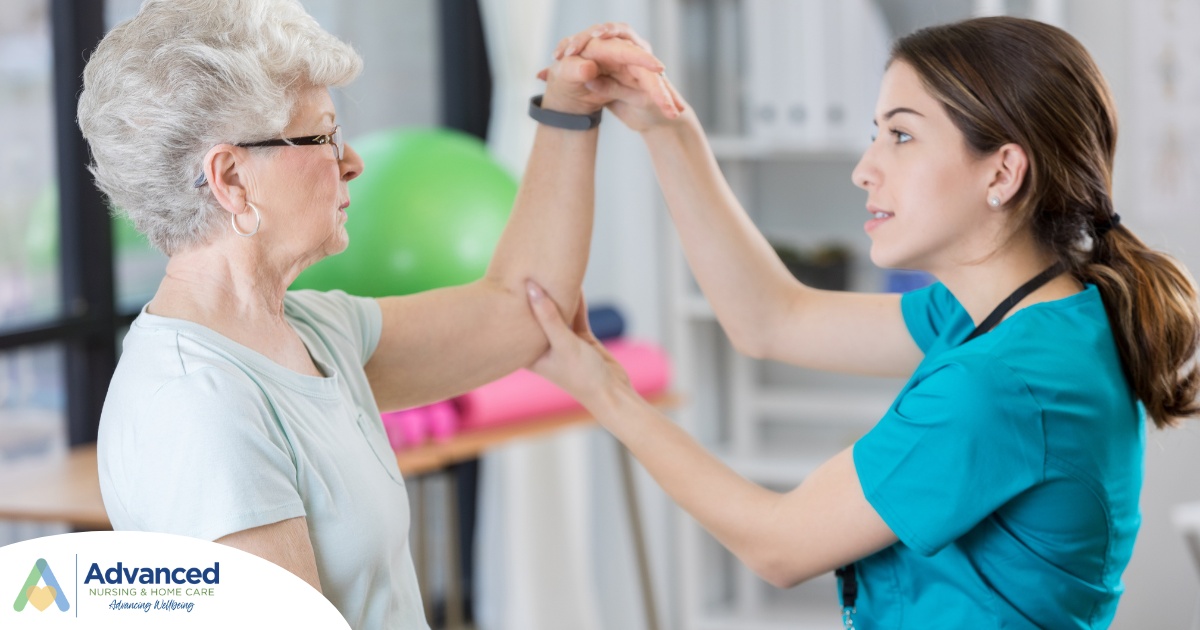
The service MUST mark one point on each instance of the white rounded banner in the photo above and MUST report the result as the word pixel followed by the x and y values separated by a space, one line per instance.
pixel 133 580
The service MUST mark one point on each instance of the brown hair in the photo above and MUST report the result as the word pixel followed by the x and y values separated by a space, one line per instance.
pixel 1009 80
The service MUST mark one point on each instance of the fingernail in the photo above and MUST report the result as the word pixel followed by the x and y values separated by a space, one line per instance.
pixel 597 33
pixel 535 292
pixel 570 49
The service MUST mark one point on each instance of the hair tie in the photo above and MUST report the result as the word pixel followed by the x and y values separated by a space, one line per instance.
pixel 1107 226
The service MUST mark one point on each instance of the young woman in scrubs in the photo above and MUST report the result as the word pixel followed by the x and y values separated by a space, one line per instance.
pixel 1000 489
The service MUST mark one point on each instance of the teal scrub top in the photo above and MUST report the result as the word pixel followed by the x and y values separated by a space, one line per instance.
pixel 1009 467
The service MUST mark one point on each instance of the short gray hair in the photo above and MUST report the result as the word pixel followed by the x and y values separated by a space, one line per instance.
pixel 184 75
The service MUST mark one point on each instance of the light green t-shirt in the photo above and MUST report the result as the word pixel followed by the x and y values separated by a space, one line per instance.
pixel 203 437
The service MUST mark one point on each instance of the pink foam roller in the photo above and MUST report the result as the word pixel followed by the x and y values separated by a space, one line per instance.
pixel 524 395
pixel 406 428
pixel 648 366
pixel 443 420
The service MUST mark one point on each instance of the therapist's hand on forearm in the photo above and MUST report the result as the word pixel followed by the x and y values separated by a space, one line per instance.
pixel 576 361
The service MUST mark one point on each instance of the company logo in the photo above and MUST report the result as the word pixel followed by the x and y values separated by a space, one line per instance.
pixel 41 596
pixel 121 574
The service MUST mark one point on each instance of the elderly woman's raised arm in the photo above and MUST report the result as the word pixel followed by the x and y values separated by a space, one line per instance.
pixel 441 343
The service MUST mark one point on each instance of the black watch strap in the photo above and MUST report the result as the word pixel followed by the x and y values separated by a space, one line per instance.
pixel 562 120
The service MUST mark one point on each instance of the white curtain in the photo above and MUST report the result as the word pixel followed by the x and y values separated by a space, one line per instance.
pixel 519 42
pixel 553 549
pixel 532 569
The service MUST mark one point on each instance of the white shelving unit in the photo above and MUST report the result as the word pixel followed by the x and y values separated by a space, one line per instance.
pixel 775 424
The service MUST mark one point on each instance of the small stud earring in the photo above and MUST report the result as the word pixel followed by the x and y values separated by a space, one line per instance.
pixel 995 201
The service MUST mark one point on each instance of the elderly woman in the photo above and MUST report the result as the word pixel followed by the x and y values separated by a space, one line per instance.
pixel 248 415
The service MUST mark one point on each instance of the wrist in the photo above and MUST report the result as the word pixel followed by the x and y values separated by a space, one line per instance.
pixel 555 101
pixel 562 119
pixel 611 399
pixel 675 129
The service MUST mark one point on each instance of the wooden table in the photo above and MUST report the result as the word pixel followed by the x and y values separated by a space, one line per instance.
pixel 61 489
pixel 67 489
pixel 463 447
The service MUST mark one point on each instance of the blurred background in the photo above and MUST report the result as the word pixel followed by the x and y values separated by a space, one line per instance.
pixel 786 90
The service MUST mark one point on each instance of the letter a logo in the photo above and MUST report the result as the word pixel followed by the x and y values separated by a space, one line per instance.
pixel 41 596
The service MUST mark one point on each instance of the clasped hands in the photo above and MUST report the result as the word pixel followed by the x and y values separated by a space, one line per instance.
pixel 610 65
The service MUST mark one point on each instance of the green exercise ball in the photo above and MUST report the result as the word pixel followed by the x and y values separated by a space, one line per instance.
pixel 426 213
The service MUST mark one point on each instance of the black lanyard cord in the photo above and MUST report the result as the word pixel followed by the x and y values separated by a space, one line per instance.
pixel 849 594
pixel 848 573
pixel 1021 293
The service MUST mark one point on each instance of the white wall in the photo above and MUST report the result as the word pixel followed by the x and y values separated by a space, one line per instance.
pixel 1162 586
pixel 400 45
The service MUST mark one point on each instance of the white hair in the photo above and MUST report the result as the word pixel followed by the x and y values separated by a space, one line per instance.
pixel 183 76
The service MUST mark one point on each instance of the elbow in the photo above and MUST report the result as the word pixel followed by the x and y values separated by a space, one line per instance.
pixel 780 570
pixel 515 290
pixel 747 343
pixel 783 583
pixel 753 334
pixel 781 577
pixel 567 298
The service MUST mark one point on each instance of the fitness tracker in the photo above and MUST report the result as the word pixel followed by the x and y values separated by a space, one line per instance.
pixel 562 120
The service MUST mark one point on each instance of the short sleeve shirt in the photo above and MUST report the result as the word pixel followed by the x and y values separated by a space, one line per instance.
pixel 1009 467
pixel 203 437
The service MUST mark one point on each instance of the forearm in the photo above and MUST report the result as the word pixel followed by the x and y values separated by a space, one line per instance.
pixel 735 511
pixel 550 228
pixel 734 264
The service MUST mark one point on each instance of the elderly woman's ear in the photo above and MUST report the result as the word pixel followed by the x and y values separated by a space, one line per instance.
pixel 224 167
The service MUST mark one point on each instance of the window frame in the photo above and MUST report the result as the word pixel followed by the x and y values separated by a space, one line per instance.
pixel 88 323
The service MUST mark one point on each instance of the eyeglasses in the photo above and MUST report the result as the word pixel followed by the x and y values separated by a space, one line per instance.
pixel 333 138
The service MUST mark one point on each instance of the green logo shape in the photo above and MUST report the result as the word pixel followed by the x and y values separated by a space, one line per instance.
pixel 41 571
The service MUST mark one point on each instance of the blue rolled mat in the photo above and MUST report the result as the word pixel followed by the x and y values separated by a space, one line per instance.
pixel 904 280
pixel 606 322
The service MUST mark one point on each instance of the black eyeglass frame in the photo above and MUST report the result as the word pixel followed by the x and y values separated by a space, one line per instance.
pixel 334 137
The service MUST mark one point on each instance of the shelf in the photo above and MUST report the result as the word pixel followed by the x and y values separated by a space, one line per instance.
pixel 747 148
pixel 782 618
pixel 771 469
pixel 848 406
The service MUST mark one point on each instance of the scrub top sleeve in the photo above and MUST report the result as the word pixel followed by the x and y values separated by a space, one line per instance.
pixel 953 448
pixel 207 458
pixel 927 312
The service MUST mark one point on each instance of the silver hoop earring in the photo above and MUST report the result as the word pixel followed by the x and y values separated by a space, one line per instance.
pixel 257 222
pixel 994 201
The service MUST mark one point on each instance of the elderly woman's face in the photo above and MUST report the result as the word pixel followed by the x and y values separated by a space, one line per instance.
pixel 302 190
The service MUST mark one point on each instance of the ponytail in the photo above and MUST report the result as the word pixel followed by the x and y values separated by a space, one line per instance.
pixel 1152 307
